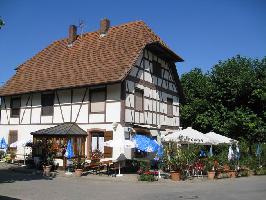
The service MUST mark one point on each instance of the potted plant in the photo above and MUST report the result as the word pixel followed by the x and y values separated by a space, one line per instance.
pixel 96 156
pixel 48 158
pixel 209 167
pixel 78 166
pixel 48 164
pixel 174 160
pixel 232 170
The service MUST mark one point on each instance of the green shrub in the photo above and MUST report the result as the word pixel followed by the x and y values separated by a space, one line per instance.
pixel 243 173
pixel 147 177
pixel 2 154
pixel 260 171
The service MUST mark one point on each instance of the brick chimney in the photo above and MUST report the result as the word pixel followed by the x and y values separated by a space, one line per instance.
pixel 104 26
pixel 72 34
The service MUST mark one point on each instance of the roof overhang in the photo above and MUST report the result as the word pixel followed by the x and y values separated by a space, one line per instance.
pixel 64 129
pixel 163 51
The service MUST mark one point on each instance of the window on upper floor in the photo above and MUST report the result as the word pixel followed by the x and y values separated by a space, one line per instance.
pixel 97 99
pixel 15 106
pixel 169 107
pixel 47 101
pixel 139 101
pixel 157 68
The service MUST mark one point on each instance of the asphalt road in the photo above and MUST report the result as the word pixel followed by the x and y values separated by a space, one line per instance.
pixel 15 185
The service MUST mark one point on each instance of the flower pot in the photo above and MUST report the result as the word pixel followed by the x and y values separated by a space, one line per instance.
pixel 175 176
pixel 47 170
pixel 231 174
pixel 226 167
pixel 211 175
pixel 78 172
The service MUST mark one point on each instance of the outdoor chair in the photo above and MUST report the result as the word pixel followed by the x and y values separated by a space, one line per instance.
pixel 198 169
pixel 189 171
pixel 112 169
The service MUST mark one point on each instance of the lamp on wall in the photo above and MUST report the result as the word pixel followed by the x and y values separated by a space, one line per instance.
pixel 114 125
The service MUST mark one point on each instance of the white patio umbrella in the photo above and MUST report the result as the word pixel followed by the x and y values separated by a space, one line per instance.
pixel 188 136
pixel 19 144
pixel 220 139
pixel 230 153
pixel 122 144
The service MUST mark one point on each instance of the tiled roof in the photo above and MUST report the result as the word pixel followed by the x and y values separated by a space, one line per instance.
pixel 91 60
pixel 68 128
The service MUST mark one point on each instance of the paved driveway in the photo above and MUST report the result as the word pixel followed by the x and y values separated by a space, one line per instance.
pixel 15 185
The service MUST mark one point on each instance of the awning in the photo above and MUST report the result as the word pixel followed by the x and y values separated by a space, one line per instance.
pixel 67 128
pixel 21 143
pixel 220 139
pixel 188 136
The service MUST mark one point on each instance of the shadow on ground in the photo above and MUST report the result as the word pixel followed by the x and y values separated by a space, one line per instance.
pixel 7 198
pixel 10 176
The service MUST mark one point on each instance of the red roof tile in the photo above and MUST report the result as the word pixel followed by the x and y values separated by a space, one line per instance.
pixel 91 60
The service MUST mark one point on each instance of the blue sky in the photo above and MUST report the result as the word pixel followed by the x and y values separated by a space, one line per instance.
pixel 202 32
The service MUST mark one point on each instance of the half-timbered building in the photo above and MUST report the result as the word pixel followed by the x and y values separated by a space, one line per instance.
pixel 110 82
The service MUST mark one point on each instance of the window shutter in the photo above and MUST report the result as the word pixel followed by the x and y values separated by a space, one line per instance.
pixel 108 151
pixel 89 145
pixel 12 137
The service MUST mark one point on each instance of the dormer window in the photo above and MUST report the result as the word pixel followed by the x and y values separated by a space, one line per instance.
pixel 47 104
pixel 15 106
pixel 157 69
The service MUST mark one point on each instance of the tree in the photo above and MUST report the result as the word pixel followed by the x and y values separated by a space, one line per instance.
pixel 229 100
pixel 196 88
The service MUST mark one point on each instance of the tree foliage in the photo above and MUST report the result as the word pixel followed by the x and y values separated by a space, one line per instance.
pixel 229 100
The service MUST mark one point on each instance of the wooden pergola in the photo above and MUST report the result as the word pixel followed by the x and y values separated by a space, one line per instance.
pixel 54 140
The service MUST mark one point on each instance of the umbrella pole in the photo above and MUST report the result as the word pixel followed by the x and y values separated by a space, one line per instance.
pixel 68 172
pixel 24 160
pixel 188 150
pixel 119 170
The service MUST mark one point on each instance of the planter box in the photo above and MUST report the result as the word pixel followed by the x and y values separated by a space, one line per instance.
pixel 78 172
pixel 175 176
pixel 231 173
pixel 211 175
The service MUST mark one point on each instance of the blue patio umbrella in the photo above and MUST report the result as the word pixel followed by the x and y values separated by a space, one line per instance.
pixel 3 144
pixel 160 151
pixel 69 151
pixel 145 143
